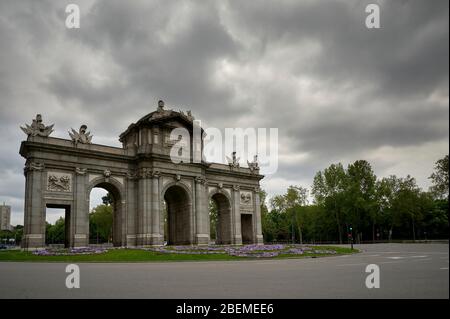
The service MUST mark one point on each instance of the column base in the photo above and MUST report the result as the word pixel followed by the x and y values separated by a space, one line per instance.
pixel 130 241
pixel 202 239
pixel 33 241
pixel 237 240
pixel 259 240
pixel 156 240
pixel 149 240
pixel 80 240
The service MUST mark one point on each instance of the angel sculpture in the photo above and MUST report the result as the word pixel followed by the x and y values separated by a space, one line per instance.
pixel 37 128
pixel 233 162
pixel 253 165
pixel 82 136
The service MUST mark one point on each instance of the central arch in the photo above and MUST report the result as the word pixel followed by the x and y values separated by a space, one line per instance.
pixel 115 191
pixel 178 205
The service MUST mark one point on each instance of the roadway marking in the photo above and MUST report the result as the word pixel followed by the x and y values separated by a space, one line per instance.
pixel 403 257
pixel 444 268
pixel 352 264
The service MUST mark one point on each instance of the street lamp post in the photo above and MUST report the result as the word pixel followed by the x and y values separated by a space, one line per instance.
pixel 350 235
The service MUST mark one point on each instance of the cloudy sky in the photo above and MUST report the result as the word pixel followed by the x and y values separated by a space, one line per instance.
pixel 336 90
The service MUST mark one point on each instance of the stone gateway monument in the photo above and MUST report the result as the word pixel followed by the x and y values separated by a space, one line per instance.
pixel 148 188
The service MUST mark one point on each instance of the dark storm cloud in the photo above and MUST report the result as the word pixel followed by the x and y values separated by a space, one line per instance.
pixel 408 55
pixel 157 63
pixel 336 90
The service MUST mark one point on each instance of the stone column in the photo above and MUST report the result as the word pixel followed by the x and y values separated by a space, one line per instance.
pixel 201 213
pixel 80 210
pixel 144 208
pixel 131 228
pixel 258 236
pixel 236 218
pixel 34 221
pixel 156 236
pixel 206 208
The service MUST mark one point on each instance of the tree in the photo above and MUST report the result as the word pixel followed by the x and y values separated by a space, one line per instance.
pixel 55 234
pixel 5 236
pixel 290 206
pixel 296 198
pixel 329 192
pixel 385 192
pixel 360 196
pixel 100 223
pixel 406 203
pixel 440 178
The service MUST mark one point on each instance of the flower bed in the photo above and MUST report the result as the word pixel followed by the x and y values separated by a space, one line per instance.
pixel 251 251
pixel 70 251
pixel 248 251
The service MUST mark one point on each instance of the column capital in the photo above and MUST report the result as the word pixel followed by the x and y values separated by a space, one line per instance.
pixel 132 174
pixel 33 166
pixel 156 174
pixel 200 180
pixel 80 171
pixel 145 172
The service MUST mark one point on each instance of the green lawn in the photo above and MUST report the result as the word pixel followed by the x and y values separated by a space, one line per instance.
pixel 139 255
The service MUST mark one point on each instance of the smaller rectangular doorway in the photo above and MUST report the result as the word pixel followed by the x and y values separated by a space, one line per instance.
pixel 66 233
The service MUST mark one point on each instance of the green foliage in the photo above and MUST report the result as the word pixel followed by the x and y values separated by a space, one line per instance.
pixel 329 189
pixel 55 234
pixel 288 216
pixel 100 224
pixel 440 178
pixel 375 209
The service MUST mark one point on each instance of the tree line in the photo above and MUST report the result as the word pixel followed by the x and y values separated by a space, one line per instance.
pixel 345 201
pixel 352 201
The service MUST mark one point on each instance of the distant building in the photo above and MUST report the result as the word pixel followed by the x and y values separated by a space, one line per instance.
pixel 5 217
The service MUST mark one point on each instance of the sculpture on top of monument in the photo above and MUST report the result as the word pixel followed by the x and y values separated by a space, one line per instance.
pixel 37 128
pixel 160 111
pixel 253 165
pixel 81 136
pixel 189 115
pixel 234 161
pixel 160 106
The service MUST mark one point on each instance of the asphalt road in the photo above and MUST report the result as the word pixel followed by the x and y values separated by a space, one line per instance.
pixel 406 271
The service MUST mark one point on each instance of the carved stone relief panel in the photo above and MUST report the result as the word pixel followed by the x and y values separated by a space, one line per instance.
pixel 246 202
pixel 246 198
pixel 59 182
